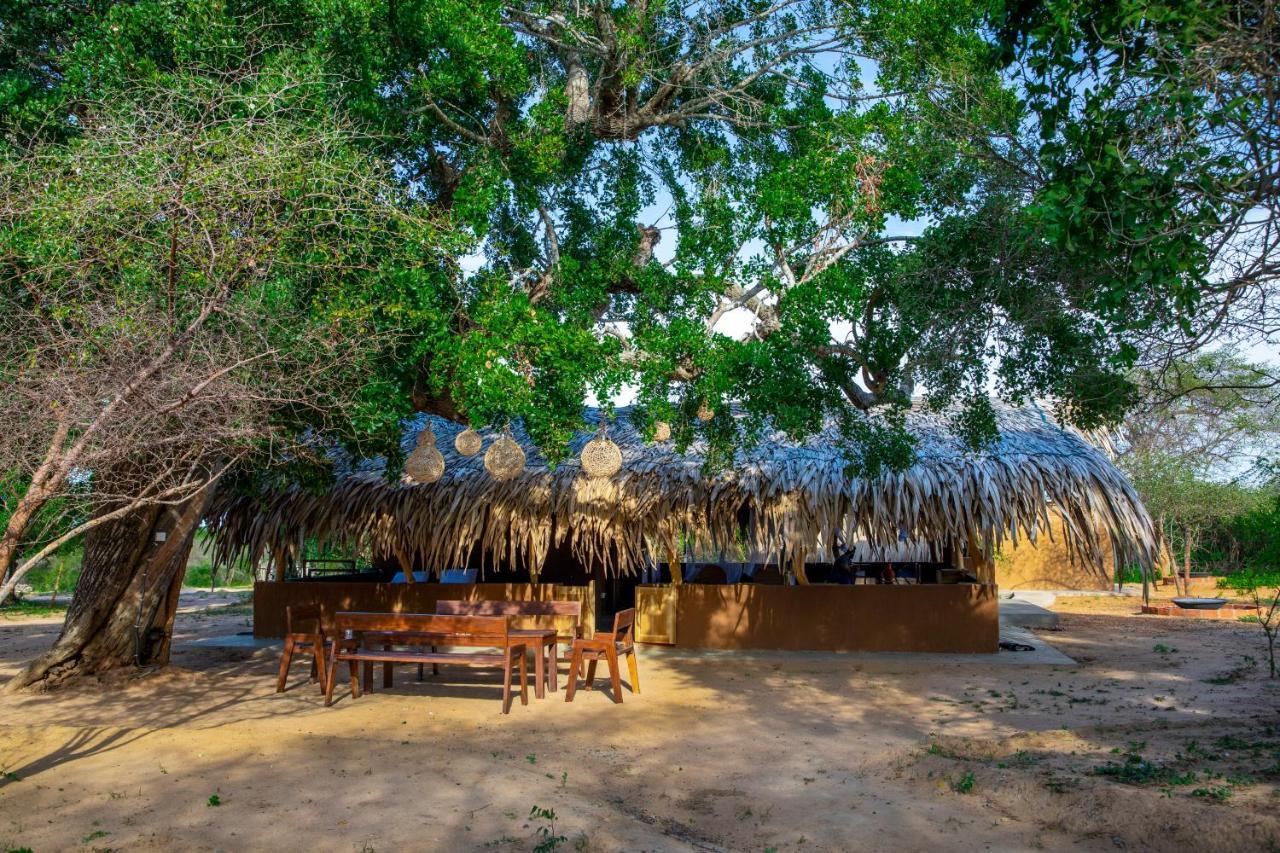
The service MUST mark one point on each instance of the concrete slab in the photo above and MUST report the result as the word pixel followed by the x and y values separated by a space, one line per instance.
pixel 233 641
pixel 1024 614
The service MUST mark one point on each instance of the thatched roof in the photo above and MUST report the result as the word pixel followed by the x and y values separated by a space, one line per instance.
pixel 794 496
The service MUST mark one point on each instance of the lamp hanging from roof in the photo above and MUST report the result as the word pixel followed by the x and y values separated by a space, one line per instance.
pixel 468 442
pixel 600 456
pixel 704 412
pixel 504 459
pixel 661 431
pixel 425 464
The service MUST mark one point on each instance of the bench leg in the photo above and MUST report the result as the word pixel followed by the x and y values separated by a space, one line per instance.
pixel 366 673
pixel 318 663
pixel 635 671
pixel 506 683
pixel 420 672
pixel 553 654
pixel 524 677
pixel 539 671
pixel 615 677
pixel 286 658
pixel 591 675
pixel 386 670
pixel 355 680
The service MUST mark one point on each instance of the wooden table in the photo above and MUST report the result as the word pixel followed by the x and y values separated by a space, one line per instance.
pixel 544 640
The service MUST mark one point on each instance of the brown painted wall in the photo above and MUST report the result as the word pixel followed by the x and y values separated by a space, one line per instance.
pixel 929 618
pixel 270 598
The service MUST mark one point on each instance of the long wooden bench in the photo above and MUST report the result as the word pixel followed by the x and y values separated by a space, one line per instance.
pixel 563 617
pixel 356 633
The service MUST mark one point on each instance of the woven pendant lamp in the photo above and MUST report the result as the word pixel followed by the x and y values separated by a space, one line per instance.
pixel 468 442
pixel 504 459
pixel 704 412
pixel 600 456
pixel 425 464
pixel 661 431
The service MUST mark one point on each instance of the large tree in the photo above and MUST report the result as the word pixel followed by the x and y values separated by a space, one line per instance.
pixel 185 286
pixel 808 209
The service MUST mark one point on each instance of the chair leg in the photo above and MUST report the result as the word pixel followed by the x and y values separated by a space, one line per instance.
pixel 635 671
pixel 286 658
pixel 591 675
pixel 355 680
pixel 330 678
pixel 506 683
pixel 539 672
pixel 524 677
pixel 615 677
pixel 575 663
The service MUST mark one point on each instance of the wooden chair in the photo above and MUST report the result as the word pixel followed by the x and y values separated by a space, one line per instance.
pixel 310 642
pixel 619 641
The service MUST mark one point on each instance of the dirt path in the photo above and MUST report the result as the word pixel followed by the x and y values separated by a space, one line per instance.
pixel 781 752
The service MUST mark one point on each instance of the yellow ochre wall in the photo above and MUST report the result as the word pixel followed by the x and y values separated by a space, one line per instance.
pixel 1046 565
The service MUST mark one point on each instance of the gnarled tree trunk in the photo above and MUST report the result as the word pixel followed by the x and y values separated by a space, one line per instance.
pixel 124 605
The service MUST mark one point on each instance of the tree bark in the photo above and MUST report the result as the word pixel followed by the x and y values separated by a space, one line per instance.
pixel 124 606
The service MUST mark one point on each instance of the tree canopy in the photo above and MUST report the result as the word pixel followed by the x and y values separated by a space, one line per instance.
pixel 806 209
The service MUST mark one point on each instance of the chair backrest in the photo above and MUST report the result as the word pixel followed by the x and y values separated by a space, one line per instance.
pixel 295 615
pixel 624 622
pixel 564 616
pixel 493 628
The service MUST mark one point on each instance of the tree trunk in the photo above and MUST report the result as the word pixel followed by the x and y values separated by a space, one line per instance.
pixel 1186 563
pixel 122 612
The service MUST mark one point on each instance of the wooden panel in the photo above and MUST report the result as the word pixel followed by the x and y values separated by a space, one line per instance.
pixel 656 614
pixel 899 618
pixel 270 599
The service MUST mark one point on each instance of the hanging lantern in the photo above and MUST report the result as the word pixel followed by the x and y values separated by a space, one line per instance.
pixel 704 412
pixel 425 464
pixel 600 456
pixel 504 459
pixel 468 442
pixel 661 431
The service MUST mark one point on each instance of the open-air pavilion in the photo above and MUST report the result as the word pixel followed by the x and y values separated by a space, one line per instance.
pixel 776 521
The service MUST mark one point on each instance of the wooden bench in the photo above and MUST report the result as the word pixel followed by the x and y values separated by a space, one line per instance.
pixel 564 617
pixel 354 633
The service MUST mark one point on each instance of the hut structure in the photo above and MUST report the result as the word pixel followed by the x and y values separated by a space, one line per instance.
pixel 783 510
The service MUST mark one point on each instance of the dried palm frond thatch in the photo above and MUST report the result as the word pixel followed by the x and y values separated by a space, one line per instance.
pixel 779 494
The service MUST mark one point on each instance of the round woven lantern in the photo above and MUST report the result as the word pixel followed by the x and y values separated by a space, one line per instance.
pixel 468 442
pixel 600 456
pixel 425 464
pixel 704 412
pixel 661 431
pixel 504 459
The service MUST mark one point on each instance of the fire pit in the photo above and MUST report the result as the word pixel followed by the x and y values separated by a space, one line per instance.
pixel 1200 603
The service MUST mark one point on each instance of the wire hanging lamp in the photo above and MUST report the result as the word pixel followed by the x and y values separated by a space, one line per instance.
pixel 504 459
pixel 425 464
pixel 601 457
pixel 468 442
pixel 661 431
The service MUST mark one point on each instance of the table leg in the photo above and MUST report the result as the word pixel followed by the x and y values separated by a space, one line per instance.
pixel 366 675
pixel 539 671
pixel 386 669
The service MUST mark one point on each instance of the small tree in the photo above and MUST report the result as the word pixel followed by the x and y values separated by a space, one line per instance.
pixel 1263 588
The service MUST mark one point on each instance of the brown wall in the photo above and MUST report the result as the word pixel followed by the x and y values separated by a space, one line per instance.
pixel 874 618
pixel 271 598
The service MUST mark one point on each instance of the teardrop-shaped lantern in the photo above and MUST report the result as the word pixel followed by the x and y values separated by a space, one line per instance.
pixel 468 442
pixel 704 412
pixel 425 464
pixel 600 456
pixel 661 431
pixel 504 459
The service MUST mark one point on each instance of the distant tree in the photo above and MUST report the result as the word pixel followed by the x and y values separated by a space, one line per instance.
pixel 1263 588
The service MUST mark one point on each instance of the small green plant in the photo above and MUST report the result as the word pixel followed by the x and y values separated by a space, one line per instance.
pixel 1163 649
pixel 1137 770
pixel 1263 589
pixel 964 785
pixel 214 801
pixel 531 758
pixel 545 836
pixel 1218 793
pixel 19 850
pixel 93 836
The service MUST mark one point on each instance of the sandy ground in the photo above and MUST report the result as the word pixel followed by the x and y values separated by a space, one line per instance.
pixel 1164 736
